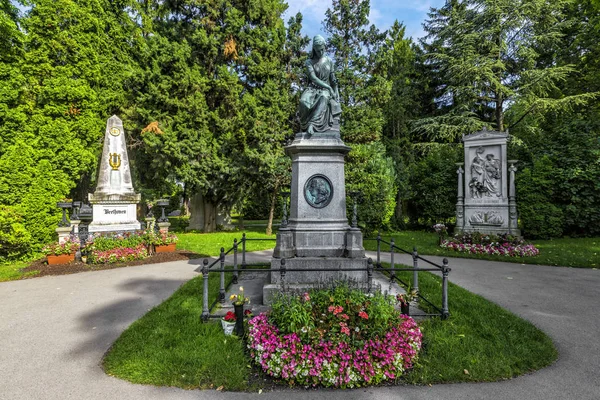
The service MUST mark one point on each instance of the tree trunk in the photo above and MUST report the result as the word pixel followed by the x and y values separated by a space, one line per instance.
pixel 272 211
pixel 186 201
pixel 499 113
pixel 398 211
pixel 210 217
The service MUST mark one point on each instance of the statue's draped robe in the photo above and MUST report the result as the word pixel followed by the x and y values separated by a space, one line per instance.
pixel 314 106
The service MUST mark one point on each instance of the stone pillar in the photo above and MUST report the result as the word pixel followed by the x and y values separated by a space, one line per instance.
pixel 114 202
pixel 150 223
pixel 63 233
pixel 75 226
pixel 513 223
pixel 163 227
pixel 460 203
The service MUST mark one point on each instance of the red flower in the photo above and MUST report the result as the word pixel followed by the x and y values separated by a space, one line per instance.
pixel 363 315
pixel 229 317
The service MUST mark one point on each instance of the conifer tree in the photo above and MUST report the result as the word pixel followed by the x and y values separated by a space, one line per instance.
pixel 361 69
pixel 215 83
pixel 71 73
pixel 355 47
pixel 486 53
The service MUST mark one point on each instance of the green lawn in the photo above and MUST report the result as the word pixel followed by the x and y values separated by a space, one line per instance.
pixel 480 341
pixel 566 252
pixel 170 346
pixel 12 270
pixel 209 244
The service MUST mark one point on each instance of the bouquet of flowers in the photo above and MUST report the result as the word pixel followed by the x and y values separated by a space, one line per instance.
pixel 239 299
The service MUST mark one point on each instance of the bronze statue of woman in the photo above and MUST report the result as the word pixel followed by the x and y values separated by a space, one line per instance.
pixel 319 103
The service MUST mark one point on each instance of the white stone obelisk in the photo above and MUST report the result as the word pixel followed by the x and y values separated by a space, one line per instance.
pixel 114 202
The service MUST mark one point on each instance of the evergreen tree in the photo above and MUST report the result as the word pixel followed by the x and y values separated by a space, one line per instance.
pixel 220 97
pixel 487 53
pixel 356 50
pixel 558 191
pixel 71 74
pixel 361 70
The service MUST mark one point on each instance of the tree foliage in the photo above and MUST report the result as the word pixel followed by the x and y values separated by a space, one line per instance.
pixel 220 96
pixel 69 75
pixel 356 49
pixel 488 54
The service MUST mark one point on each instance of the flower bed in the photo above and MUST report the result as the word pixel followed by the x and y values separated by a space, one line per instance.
pixel 502 245
pixel 121 254
pixel 123 247
pixel 338 338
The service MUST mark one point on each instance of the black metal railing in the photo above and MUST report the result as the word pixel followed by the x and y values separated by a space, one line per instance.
pixel 444 269
pixel 208 268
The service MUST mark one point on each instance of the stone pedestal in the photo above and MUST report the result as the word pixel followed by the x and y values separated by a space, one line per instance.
pixel 75 226
pixel 164 227
pixel 115 213
pixel 317 235
pixel 114 202
pixel 150 221
pixel 63 233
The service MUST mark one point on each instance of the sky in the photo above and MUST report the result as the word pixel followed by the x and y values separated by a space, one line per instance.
pixel 383 14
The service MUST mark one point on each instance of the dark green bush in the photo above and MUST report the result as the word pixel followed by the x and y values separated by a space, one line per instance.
pixel 433 185
pixel 539 217
pixel 371 172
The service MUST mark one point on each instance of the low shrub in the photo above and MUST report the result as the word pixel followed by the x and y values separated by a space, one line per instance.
pixel 121 254
pixel 104 242
pixel 69 246
pixel 159 238
pixel 339 337
pixel 481 243
pixel 15 239
pixel 127 246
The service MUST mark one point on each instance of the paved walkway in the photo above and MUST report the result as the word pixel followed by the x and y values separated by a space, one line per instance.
pixel 55 330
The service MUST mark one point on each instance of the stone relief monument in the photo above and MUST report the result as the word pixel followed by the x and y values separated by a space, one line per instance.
pixel 114 202
pixel 317 234
pixel 490 204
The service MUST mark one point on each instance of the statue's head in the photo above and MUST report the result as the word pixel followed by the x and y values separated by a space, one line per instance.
pixel 318 48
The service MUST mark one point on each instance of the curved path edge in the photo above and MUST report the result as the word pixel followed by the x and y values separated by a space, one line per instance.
pixel 55 330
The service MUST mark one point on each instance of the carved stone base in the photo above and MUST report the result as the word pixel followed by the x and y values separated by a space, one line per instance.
pixel 310 265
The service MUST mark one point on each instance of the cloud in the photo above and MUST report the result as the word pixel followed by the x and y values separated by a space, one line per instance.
pixel 309 8
pixel 383 14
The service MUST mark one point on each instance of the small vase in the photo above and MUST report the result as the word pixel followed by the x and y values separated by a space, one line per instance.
pixel 239 321
pixel 405 308
pixel 60 259
pixel 166 248
pixel 227 327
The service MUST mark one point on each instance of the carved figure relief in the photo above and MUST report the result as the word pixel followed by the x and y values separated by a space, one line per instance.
pixel 486 218
pixel 477 170
pixel 491 180
pixel 485 176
